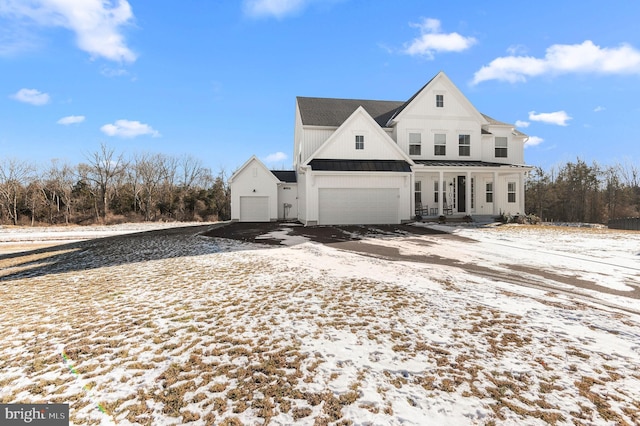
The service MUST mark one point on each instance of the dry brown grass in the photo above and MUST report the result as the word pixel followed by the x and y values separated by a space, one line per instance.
pixel 215 341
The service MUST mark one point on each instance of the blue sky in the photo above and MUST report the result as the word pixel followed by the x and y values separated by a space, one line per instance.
pixel 218 79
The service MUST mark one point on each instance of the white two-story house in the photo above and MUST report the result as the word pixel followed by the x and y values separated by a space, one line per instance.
pixel 382 162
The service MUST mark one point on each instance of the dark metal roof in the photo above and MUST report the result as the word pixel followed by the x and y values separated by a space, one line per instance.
pixel 455 163
pixel 360 165
pixel 288 176
pixel 334 112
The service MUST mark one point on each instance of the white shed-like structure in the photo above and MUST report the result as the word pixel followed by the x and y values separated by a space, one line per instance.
pixel 383 162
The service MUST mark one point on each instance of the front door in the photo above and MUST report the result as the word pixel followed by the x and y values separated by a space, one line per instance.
pixel 462 193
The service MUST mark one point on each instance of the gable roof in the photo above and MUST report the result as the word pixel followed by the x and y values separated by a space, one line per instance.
pixel 260 164
pixel 404 105
pixel 287 176
pixel 453 88
pixel 360 113
pixel 333 112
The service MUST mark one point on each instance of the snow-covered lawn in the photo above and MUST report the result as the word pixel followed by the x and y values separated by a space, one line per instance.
pixel 185 329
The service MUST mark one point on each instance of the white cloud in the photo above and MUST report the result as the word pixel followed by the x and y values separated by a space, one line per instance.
pixel 559 118
pixel 275 8
pixel 128 129
pixel 275 157
pixel 599 108
pixel 432 40
pixel 71 119
pixel 112 72
pixel 31 96
pixel 533 141
pixel 96 23
pixel 522 124
pixel 563 59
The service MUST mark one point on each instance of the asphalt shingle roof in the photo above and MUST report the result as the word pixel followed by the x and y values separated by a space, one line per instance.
pixel 334 112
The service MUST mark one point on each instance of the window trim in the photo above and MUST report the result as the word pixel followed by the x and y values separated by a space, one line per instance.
pixel 415 146
pixel 489 192
pixel 501 147
pixel 511 192
pixel 464 144
pixel 442 144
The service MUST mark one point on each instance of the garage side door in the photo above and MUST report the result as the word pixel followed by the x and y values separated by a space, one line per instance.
pixel 345 206
pixel 254 209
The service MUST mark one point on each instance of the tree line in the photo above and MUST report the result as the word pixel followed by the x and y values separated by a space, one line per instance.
pixel 110 188
pixel 578 192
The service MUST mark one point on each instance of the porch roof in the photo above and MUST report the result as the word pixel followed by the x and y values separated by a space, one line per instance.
pixel 287 176
pixel 457 163
pixel 360 165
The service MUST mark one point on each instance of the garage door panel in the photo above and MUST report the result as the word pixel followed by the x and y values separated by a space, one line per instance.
pixel 344 206
pixel 254 209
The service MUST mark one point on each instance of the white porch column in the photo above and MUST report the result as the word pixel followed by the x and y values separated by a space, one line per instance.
pixel 496 193
pixel 521 194
pixel 441 190
pixel 467 195
pixel 412 194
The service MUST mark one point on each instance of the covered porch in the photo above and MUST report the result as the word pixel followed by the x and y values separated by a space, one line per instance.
pixel 473 188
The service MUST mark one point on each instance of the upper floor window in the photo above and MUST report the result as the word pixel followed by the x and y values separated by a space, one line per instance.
pixel 501 147
pixel 464 145
pixel 359 141
pixel 439 101
pixel 511 192
pixel 439 144
pixel 415 143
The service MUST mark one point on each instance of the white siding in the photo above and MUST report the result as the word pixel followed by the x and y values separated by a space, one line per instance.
pixel 302 197
pixel 253 180
pixel 313 139
pixel 287 201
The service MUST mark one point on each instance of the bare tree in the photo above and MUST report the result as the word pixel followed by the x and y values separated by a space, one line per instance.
pixel 57 189
pixel 151 171
pixel 14 177
pixel 104 167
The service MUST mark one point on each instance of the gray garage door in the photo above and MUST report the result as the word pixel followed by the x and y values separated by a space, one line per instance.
pixel 254 209
pixel 345 206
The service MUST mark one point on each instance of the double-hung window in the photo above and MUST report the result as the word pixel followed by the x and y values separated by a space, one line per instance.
pixel 439 144
pixel 489 192
pixel 436 192
pixel 359 141
pixel 439 101
pixel 511 192
pixel 464 145
pixel 501 147
pixel 415 143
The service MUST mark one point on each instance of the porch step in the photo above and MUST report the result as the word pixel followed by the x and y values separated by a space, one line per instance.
pixel 484 218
